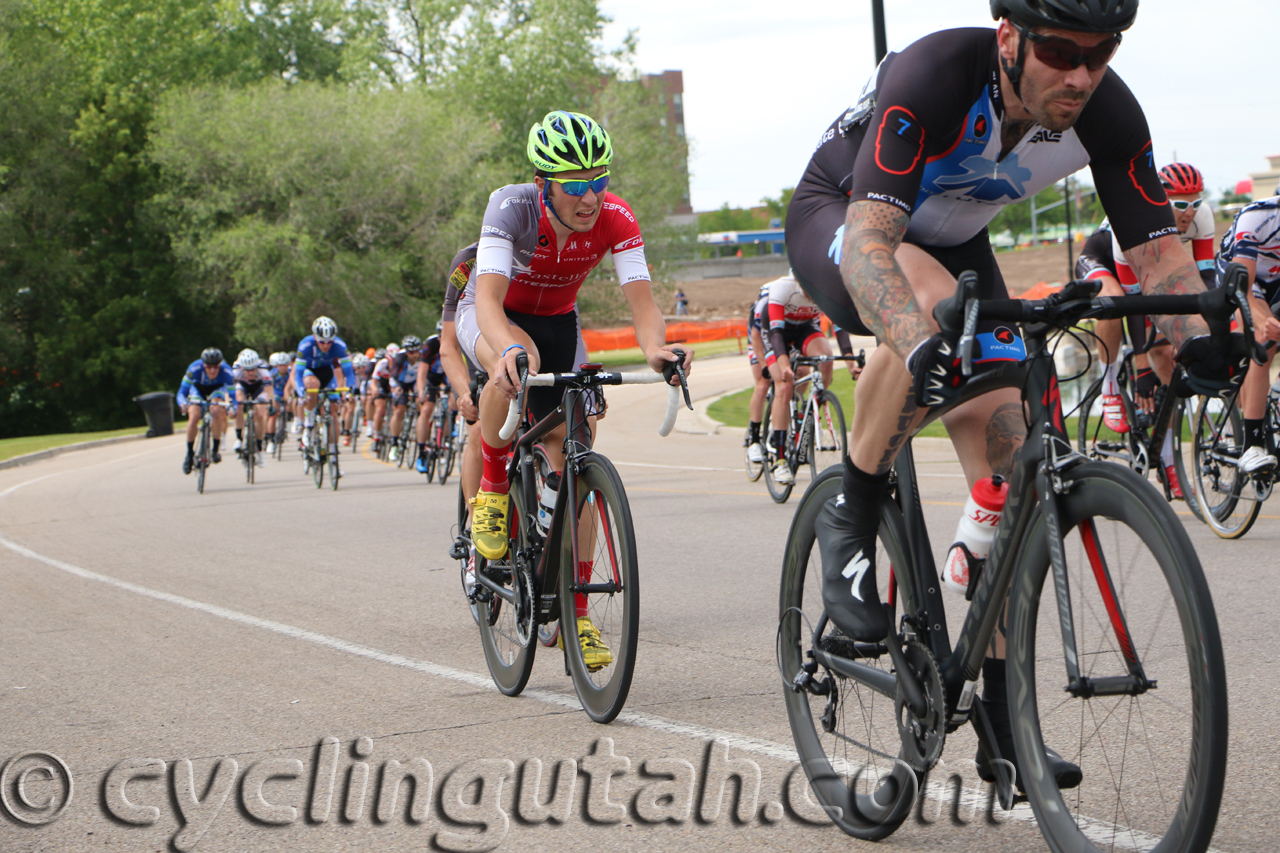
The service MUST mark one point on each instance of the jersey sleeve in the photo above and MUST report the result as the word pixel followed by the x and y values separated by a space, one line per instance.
pixel 184 390
pixel 504 218
pixel 1114 132
pixel 625 241
pixel 923 97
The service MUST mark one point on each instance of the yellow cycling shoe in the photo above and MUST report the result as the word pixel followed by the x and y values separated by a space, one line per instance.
pixel 489 524
pixel 595 654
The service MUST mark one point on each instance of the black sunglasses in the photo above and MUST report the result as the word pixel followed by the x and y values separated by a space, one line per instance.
pixel 1063 54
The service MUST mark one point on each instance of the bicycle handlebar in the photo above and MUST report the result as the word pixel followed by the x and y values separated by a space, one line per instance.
pixel 1079 300
pixel 638 377
pixel 810 360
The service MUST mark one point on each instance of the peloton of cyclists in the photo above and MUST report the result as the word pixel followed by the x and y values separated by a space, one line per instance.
pixel 208 380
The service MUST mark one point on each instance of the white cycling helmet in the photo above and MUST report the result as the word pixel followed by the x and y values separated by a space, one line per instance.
pixel 393 350
pixel 324 329
pixel 358 360
pixel 279 359
pixel 248 359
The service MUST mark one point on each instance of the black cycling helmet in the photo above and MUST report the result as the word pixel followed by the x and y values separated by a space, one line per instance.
pixel 411 342
pixel 212 355
pixel 1085 16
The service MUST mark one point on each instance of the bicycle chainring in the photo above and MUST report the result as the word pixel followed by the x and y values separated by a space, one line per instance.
pixel 922 737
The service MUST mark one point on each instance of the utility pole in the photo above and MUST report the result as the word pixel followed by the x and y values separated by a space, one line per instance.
pixel 877 26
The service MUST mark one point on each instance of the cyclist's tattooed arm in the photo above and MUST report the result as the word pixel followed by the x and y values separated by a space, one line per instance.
pixel 1005 434
pixel 873 230
pixel 1164 267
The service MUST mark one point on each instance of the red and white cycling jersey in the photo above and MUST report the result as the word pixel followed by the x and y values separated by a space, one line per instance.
pixel 518 242
pixel 789 304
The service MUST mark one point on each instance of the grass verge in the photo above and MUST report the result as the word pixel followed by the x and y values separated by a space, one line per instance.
pixel 11 447
pixel 614 359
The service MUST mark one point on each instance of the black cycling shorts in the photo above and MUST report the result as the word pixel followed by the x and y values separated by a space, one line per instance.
pixel 556 337
pixel 815 236
pixel 435 381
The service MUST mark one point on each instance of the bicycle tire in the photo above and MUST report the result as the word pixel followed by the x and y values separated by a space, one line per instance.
pixel 464 535
pixel 315 454
pixel 507 653
pixel 250 446
pixel 1157 608
pixel 606 533
pixel 203 457
pixel 754 469
pixel 1219 486
pixel 355 428
pixel 334 473
pixel 1183 466
pixel 780 492
pixel 446 449
pixel 282 433
pixel 828 442
pixel 848 746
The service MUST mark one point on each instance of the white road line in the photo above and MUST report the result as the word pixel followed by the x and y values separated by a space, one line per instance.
pixel 1100 831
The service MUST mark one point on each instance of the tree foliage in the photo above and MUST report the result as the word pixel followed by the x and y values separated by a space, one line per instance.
pixel 179 172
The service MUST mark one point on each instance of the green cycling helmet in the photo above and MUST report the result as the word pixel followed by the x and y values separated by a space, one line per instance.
pixel 566 142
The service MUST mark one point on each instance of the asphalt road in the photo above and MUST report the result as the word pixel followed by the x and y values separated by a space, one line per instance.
pixel 185 657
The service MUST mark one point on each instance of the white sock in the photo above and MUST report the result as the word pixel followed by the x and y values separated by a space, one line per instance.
pixel 1109 378
pixel 310 419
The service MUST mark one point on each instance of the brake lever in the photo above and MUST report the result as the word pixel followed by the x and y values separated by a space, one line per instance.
pixel 968 336
pixel 676 368
pixel 1237 282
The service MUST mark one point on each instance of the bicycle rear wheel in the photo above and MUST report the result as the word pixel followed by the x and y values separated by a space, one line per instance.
pixel 335 473
pixel 506 628
pixel 446 450
pixel 1228 499
pixel 754 469
pixel 847 737
pixel 1154 759
pixel 609 575
pixel 315 451
pixel 828 441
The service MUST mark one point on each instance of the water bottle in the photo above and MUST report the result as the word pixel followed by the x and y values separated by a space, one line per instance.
pixel 976 530
pixel 547 500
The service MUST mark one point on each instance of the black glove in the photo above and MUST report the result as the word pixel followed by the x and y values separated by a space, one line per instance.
pixel 1212 369
pixel 1145 383
pixel 936 379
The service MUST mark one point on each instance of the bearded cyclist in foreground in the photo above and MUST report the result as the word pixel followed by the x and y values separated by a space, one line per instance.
pixel 895 205
pixel 538 243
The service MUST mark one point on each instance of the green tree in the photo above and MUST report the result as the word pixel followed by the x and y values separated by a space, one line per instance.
pixel 777 207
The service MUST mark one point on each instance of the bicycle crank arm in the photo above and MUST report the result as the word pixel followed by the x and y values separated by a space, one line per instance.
pixel 911 685
pixel 498 590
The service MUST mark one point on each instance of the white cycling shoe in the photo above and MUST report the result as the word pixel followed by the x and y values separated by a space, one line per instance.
pixel 782 473
pixel 755 453
pixel 1255 459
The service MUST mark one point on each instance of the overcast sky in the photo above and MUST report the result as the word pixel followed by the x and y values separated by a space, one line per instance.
pixel 763 79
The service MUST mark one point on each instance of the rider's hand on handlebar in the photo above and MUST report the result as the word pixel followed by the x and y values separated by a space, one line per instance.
pixel 659 358
pixel 935 371
pixel 1214 369
pixel 507 378
pixel 467 407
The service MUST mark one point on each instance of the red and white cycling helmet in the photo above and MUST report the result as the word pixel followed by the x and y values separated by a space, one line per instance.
pixel 1181 179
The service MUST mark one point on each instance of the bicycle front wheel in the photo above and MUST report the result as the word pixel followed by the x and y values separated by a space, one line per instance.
pixel 601 592
pixel 1148 723
pixel 203 457
pixel 846 733
pixel 828 441
pixel 446 457
pixel 1228 501
pixel 315 452
pixel 506 626
pixel 335 473
pixel 250 447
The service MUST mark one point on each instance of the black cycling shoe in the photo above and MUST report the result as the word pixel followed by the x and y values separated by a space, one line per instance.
pixel 849 592
pixel 1067 774
pixel 217 457
pixel 187 464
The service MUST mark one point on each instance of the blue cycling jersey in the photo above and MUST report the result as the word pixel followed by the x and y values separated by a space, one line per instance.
pixel 279 379
pixel 197 381
pixel 310 358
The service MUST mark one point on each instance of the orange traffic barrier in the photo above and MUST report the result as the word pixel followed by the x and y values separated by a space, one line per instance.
pixel 625 337
pixel 1040 291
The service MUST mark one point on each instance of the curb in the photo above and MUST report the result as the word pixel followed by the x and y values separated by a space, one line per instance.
pixel 28 458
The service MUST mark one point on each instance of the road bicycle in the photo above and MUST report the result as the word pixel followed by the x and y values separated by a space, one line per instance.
pixel 357 415
pixel 457 443
pixel 204 444
pixel 1141 445
pixel 283 416
pixel 815 426
pixel 442 439
pixel 248 452
pixel 321 449
pixel 1114 654
pixel 406 443
pixel 583 564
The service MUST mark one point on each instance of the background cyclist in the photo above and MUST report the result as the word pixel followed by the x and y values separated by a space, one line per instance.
pixel 253 383
pixel 280 362
pixel 207 379
pixel 404 377
pixel 429 380
pixel 319 355
pixel 1254 241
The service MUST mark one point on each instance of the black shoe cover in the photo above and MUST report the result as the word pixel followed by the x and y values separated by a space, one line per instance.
pixel 1064 772
pixel 849 591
